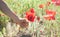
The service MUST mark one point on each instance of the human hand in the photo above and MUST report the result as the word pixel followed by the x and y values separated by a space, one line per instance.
pixel 23 23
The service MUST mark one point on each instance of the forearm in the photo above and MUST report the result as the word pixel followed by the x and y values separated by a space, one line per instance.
pixel 8 12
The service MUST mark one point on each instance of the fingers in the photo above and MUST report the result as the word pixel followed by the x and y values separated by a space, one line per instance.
pixel 24 19
pixel 24 23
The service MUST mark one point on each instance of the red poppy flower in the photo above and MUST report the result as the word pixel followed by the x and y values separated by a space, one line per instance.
pixel 50 12
pixel 49 17
pixel 41 6
pixel 56 2
pixel 30 17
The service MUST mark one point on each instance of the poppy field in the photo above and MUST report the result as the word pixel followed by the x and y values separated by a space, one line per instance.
pixel 43 17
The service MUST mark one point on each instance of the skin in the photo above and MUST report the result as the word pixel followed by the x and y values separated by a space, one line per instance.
pixel 5 9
